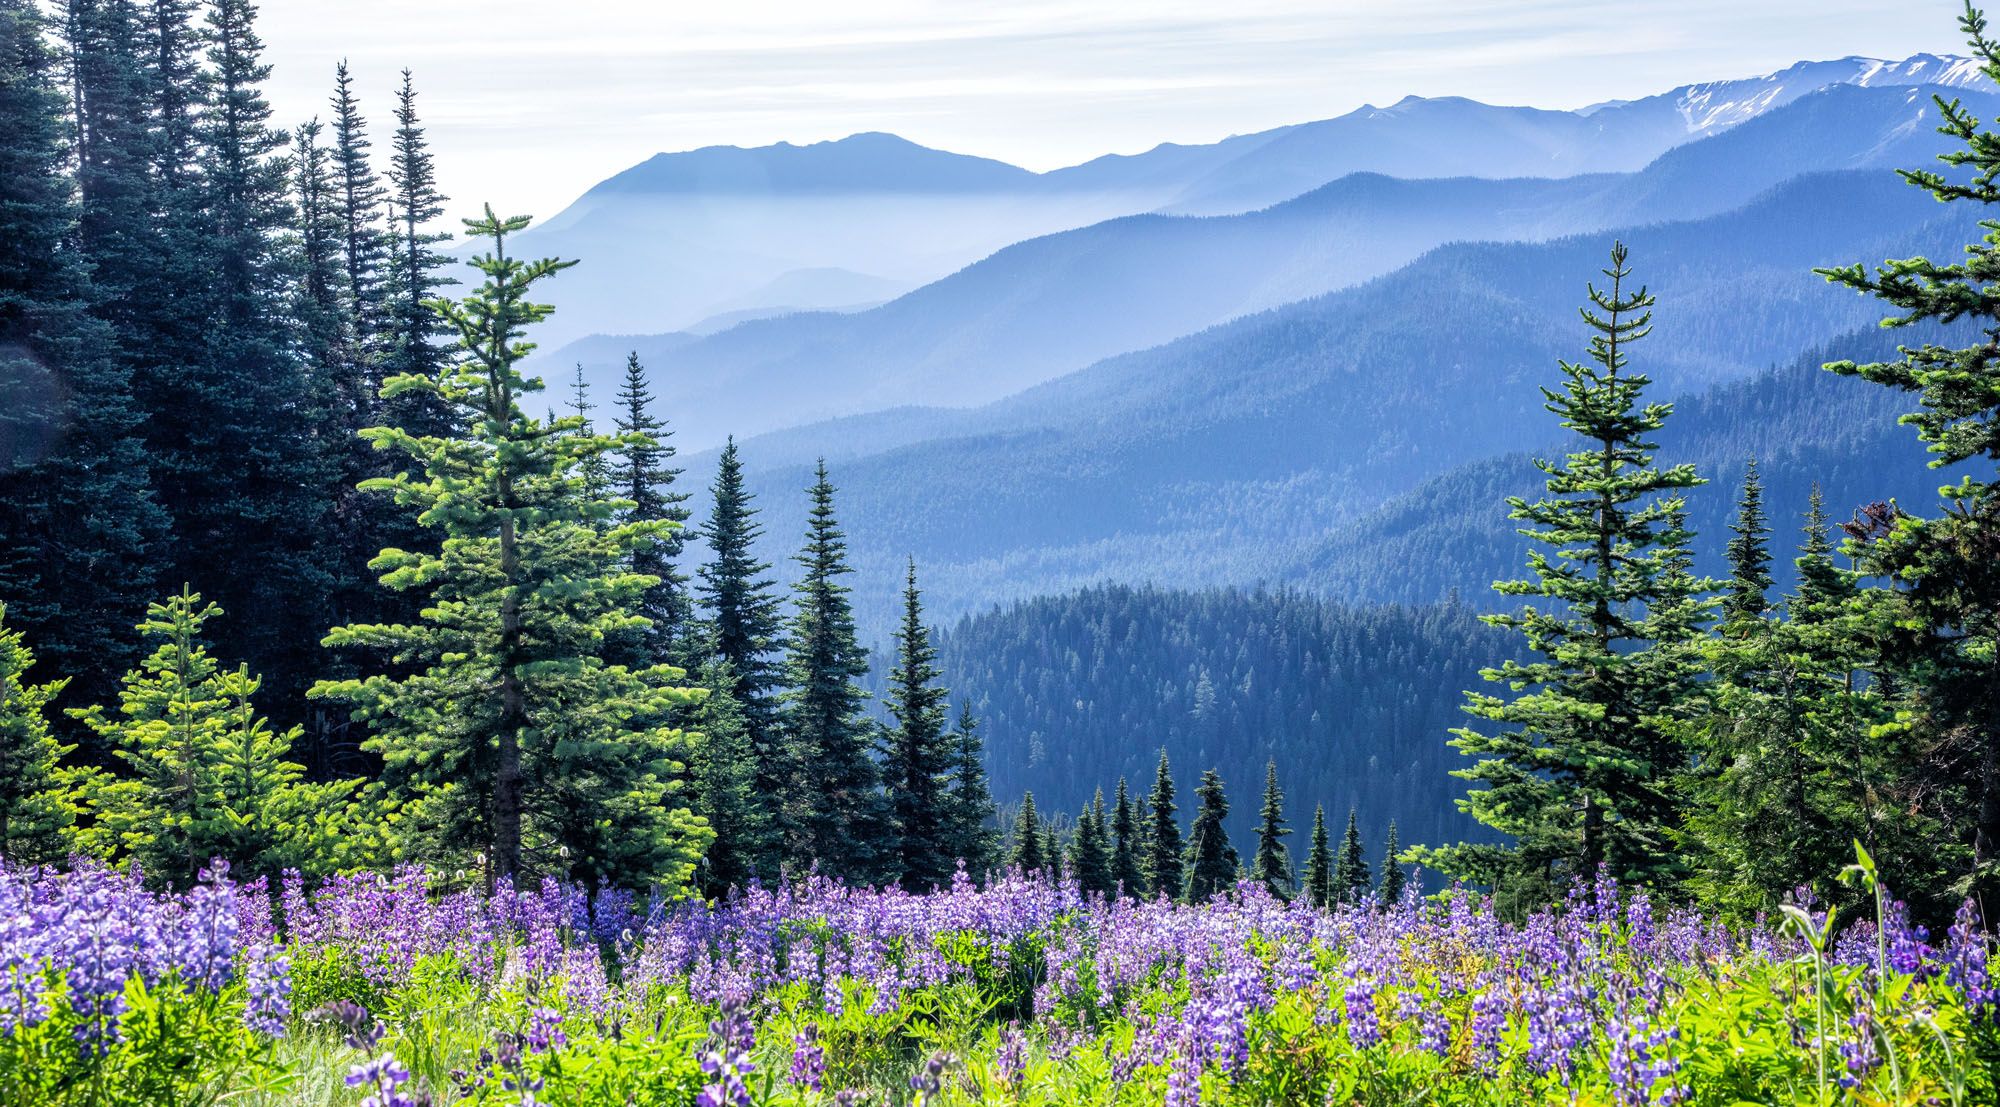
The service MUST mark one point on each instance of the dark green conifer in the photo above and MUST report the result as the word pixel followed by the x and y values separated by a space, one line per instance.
pixel 1128 845
pixel 974 840
pixel 1319 882
pixel 1579 775
pixel 1390 892
pixel 414 275
pixel 917 768
pixel 725 778
pixel 1026 852
pixel 1350 870
pixel 566 765
pixel 364 247
pixel 643 474
pixel 81 534
pixel 1163 836
pixel 742 628
pixel 1090 856
pixel 1211 860
pixel 1272 865
pixel 1942 646
pixel 834 810
pixel 1749 558
pixel 37 803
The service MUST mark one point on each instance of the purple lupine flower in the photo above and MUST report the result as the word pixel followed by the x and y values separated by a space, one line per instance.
pixel 267 988
pixel 383 1077
pixel 1966 952
pixel 726 1061
pixel 1859 1052
pixel 929 1079
pixel 1364 1028
pixel 808 1059
pixel 545 1030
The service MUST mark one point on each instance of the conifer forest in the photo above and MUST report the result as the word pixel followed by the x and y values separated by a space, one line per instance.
pixel 1447 604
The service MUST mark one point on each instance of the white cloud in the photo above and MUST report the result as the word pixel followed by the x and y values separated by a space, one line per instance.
pixel 528 103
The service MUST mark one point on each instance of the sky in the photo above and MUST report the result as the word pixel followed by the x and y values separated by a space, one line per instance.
pixel 528 103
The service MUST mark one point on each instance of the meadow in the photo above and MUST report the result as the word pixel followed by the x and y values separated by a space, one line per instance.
pixel 394 990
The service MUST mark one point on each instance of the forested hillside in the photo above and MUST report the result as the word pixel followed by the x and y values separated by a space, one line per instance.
pixel 1074 692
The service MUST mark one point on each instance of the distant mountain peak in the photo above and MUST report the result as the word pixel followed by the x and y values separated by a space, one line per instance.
pixel 868 161
pixel 1717 105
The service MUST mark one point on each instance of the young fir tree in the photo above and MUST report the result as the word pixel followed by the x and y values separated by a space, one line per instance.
pixel 1026 852
pixel 1578 775
pixel 1319 885
pixel 80 531
pixel 1127 846
pixel 1090 856
pixel 832 798
pixel 916 772
pixel 1942 648
pixel 1211 860
pixel 37 804
pixel 207 777
pixel 742 628
pixel 1272 865
pixel 973 840
pixel 1350 870
pixel 643 474
pixel 568 765
pixel 1749 558
pixel 1163 835
pixel 414 275
pixel 1390 891
pixel 596 470
pixel 724 776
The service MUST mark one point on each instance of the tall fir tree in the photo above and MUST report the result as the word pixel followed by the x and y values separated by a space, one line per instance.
pixel 643 474
pixel 1941 643
pixel 1749 553
pixel 1390 891
pixel 1211 860
pixel 80 532
pixel 568 766
pixel 1319 884
pixel 917 768
pixel 1026 851
pixel 415 274
pixel 741 608
pixel 37 801
pixel 359 200
pixel 1272 864
pixel 1580 775
pixel 1127 844
pixel 974 840
pixel 596 469
pixel 1163 835
pixel 1350 869
pixel 832 795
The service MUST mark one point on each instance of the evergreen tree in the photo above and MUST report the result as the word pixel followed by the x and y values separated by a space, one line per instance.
pixel 568 765
pixel 596 470
pixel 37 808
pixel 833 804
pixel 414 278
pixel 1390 892
pixel 359 197
pixel 725 779
pixel 1163 835
pixel 971 799
pixel 917 769
pixel 207 777
pixel 238 466
pixel 1127 845
pixel 643 475
pixel 1319 883
pixel 1941 644
pixel 1350 870
pixel 1272 866
pixel 1582 775
pixel 743 630
pixel 1211 860
pixel 1090 856
pixel 1749 557
pixel 80 531
pixel 1026 854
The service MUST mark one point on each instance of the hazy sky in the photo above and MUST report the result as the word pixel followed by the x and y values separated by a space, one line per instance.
pixel 529 102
